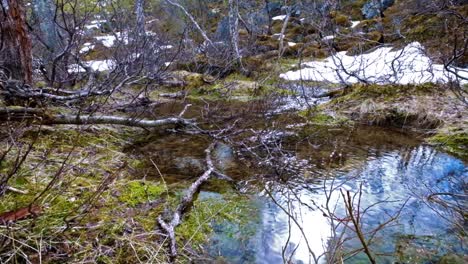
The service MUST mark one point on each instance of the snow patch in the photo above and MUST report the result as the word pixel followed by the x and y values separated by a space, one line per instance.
pixel 328 37
pixel 409 65
pixel 94 24
pixel 109 40
pixel 86 47
pixel 95 65
pixel 282 17
pixel 355 23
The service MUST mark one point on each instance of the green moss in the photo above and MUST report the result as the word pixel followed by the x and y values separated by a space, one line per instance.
pixel 341 20
pixel 452 259
pixel 423 27
pixel 66 139
pixel 198 225
pixel 320 118
pixel 237 77
pixel 137 192
pixel 353 8
pixel 455 143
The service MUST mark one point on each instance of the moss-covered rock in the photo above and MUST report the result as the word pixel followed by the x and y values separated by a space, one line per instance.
pixel 191 79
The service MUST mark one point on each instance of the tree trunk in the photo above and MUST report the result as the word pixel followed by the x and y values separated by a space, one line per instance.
pixel 44 13
pixel 140 17
pixel 234 29
pixel 15 44
pixel 267 8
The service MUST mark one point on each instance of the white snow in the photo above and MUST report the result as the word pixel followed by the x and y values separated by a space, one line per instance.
pixel 292 44
pixel 382 66
pixel 108 40
pixel 86 47
pixel 355 23
pixel 165 47
pixel 282 17
pixel 328 37
pixel 277 36
pixel 96 65
pixel 150 33
pixel 94 24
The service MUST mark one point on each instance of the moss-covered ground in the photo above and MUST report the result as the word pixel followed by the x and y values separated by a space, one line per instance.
pixel 93 207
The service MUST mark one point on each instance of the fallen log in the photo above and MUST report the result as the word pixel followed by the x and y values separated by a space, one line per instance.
pixel 48 118
pixel 178 95
pixel 19 90
pixel 186 201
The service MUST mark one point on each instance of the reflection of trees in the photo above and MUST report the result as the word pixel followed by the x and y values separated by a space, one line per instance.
pixel 413 190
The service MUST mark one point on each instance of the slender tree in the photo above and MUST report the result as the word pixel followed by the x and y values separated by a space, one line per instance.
pixel 140 16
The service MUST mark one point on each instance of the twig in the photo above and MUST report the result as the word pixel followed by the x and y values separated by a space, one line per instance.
pixel 15 190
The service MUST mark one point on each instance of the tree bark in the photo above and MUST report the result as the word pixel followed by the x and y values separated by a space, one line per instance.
pixel 15 44
pixel 234 27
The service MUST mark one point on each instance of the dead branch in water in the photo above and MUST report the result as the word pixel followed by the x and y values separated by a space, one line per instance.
pixel 186 201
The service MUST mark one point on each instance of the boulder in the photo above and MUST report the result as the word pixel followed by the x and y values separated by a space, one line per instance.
pixel 374 8
pixel 190 79
pixel 240 86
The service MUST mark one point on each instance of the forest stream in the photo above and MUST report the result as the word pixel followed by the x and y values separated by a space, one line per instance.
pixel 258 131
pixel 398 181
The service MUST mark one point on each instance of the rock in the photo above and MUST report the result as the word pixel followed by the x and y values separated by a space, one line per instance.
pixel 190 79
pixel 374 8
pixel 274 8
pixel 240 86
pixel 224 156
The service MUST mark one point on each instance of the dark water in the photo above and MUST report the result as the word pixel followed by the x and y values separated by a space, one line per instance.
pixel 411 197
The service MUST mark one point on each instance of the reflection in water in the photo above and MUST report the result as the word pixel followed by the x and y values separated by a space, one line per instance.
pixel 389 180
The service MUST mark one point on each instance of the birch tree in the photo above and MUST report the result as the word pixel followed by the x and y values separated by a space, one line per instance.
pixel 234 28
